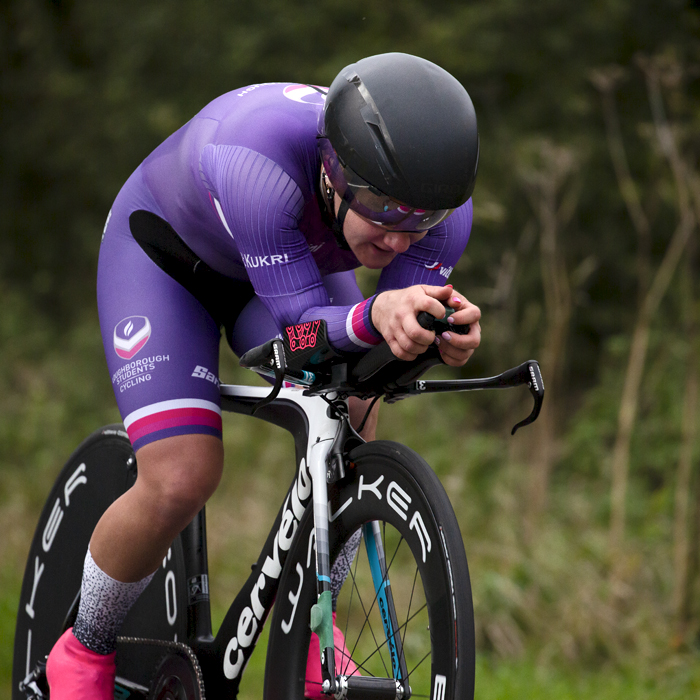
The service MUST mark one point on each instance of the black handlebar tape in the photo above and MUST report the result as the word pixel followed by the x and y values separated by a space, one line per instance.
pixel 459 330
pixel 373 361
pixel 380 356
pixel 425 320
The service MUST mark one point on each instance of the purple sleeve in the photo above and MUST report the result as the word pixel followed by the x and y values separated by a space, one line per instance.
pixel 432 259
pixel 260 206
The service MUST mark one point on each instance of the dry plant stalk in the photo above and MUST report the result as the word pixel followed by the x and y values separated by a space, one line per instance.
pixel 606 81
pixel 687 502
pixel 651 300
pixel 544 185
pixel 682 554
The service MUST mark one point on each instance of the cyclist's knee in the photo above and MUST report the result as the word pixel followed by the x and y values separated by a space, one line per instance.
pixel 179 474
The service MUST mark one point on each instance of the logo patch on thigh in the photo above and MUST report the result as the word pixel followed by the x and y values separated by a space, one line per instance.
pixel 130 335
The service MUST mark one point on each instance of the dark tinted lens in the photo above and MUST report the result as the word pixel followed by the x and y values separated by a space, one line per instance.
pixel 398 217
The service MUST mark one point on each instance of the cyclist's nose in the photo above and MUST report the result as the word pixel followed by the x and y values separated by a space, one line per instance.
pixel 397 241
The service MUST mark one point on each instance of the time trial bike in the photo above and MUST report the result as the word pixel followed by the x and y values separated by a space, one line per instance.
pixel 374 514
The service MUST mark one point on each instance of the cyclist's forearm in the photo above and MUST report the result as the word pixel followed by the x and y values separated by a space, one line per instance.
pixel 349 327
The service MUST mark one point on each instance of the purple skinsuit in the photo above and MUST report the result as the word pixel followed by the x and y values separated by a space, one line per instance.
pixel 239 184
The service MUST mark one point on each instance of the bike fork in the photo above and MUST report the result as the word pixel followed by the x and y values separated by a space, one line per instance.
pixel 385 600
pixel 322 611
pixel 349 687
pixel 353 687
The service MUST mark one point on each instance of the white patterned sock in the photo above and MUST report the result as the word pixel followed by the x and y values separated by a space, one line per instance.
pixel 343 563
pixel 104 603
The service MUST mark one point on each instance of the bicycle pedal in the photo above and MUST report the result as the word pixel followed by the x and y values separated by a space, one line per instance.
pixel 35 686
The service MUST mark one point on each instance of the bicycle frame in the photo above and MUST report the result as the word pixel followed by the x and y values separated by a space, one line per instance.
pixel 318 433
pixel 224 657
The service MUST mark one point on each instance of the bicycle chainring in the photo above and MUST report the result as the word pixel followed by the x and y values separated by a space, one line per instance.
pixel 175 679
pixel 178 675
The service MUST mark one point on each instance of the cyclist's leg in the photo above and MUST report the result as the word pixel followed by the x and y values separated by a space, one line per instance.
pixel 162 353
pixel 100 470
pixel 176 477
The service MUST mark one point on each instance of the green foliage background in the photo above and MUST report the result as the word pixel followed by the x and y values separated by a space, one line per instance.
pixel 88 88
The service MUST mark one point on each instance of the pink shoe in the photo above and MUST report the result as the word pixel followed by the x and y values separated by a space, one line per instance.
pixel 343 664
pixel 75 672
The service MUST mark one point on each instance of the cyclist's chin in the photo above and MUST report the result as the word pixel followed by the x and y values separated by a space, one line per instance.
pixel 372 257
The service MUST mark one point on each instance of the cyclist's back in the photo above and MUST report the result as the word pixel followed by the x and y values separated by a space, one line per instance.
pixel 249 147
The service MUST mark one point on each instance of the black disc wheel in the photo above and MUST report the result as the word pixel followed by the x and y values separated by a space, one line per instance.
pixel 97 473
pixel 394 498
pixel 177 678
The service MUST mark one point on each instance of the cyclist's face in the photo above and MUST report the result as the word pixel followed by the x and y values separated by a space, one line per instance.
pixel 374 246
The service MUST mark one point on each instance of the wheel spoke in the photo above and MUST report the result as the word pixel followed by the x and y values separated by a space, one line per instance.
pixel 366 623
pixel 384 643
pixel 418 664
pixel 352 594
pixel 379 646
pixel 408 611
pixel 367 609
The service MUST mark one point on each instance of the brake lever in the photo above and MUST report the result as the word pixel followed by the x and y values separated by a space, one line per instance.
pixel 529 373
pixel 279 365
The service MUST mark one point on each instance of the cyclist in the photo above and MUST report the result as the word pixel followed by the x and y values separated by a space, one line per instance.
pixel 251 217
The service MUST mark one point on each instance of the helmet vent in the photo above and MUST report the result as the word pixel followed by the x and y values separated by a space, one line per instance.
pixel 378 130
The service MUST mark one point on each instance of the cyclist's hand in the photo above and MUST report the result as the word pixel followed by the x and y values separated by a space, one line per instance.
pixel 457 349
pixel 394 316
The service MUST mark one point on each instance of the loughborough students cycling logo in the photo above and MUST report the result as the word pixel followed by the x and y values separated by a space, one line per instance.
pixel 130 335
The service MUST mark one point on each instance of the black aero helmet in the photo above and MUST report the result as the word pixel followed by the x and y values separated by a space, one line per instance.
pixel 399 141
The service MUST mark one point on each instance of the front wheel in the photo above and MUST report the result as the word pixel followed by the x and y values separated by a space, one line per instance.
pixel 97 473
pixel 393 489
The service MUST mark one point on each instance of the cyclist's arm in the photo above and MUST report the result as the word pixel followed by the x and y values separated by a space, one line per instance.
pixel 415 281
pixel 261 206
